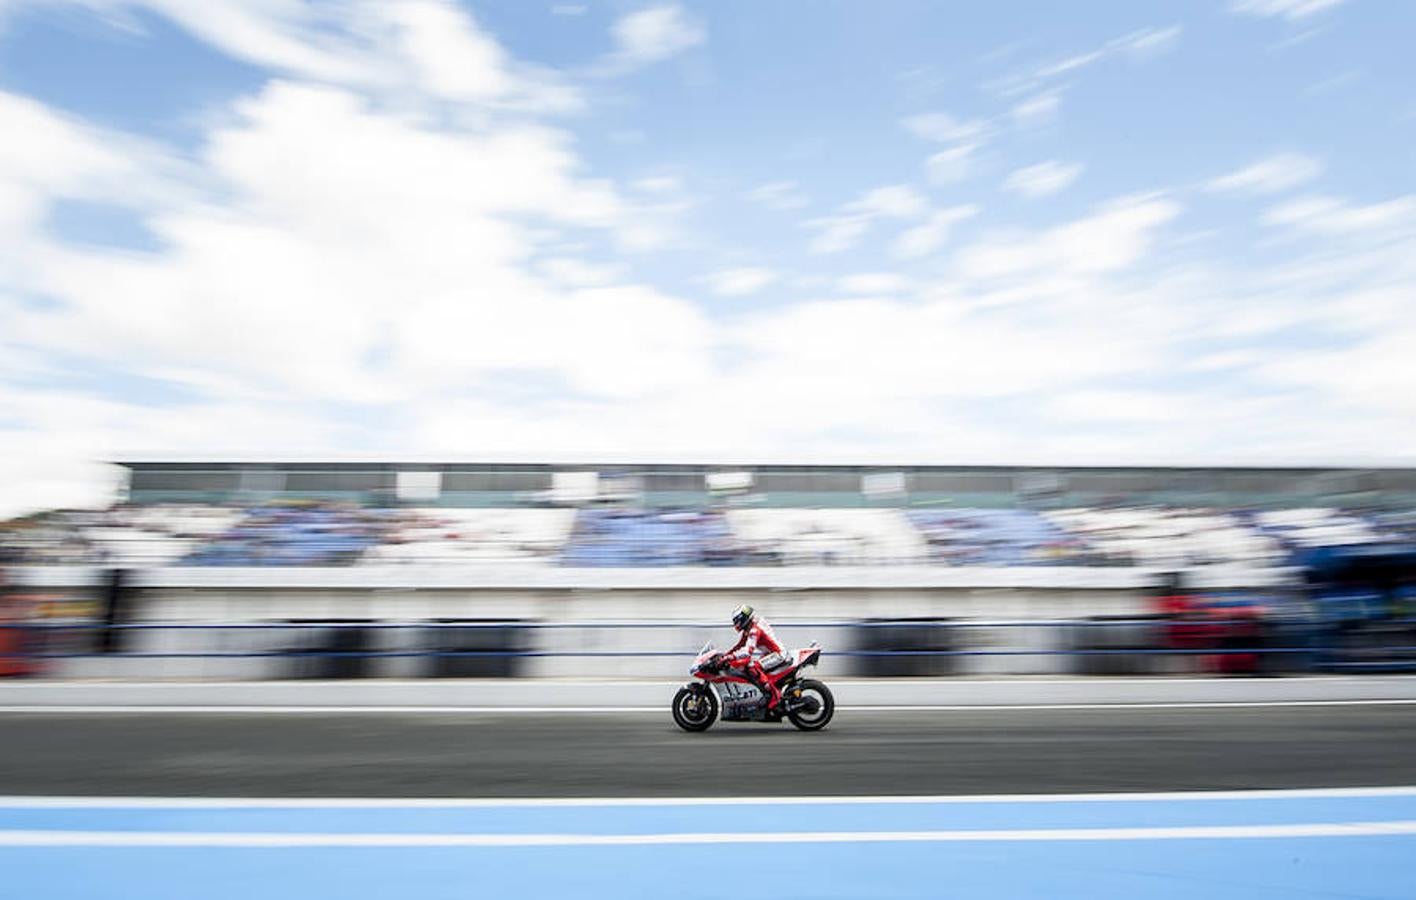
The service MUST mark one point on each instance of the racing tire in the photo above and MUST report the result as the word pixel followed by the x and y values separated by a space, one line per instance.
pixel 813 721
pixel 695 710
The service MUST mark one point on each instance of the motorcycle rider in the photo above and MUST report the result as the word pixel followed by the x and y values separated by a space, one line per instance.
pixel 756 651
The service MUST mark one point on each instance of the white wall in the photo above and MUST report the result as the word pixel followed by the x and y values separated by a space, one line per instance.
pixel 588 620
pixel 690 605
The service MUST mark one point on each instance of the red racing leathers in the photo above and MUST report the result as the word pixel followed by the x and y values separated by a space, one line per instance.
pixel 756 643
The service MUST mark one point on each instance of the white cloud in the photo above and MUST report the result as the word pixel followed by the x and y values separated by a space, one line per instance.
pixel 653 211
pixel 341 235
pixel 1149 42
pixel 879 363
pixel 874 283
pixel 452 57
pixel 1270 175
pixel 655 34
pixel 893 201
pixel 1069 64
pixel 1037 110
pixel 964 138
pixel 57 153
pixel 1374 374
pixel 1358 297
pixel 1332 216
pixel 741 282
pixel 658 184
pixel 951 165
pixel 1113 238
pixel 430 49
pixel 780 195
pixel 1225 359
pixel 293 38
pixel 944 128
pixel 1067 329
pixel 575 273
pixel 1292 10
pixel 1042 179
pixel 932 234
pixel 1120 405
pixel 57 157
pixel 1340 81
pixel 1139 46
pixel 841 231
pixel 837 233
pixel 342 271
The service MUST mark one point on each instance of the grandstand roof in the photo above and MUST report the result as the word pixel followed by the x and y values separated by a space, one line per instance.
pixel 367 462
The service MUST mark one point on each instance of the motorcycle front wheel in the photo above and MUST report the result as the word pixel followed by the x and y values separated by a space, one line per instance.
pixel 818 706
pixel 695 710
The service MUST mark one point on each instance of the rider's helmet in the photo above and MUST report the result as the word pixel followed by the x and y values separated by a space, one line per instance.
pixel 743 616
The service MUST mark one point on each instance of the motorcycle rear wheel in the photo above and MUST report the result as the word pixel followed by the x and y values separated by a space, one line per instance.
pixel 826 705
pixel 695 710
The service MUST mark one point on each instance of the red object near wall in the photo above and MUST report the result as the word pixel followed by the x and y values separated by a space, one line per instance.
pixel 16 640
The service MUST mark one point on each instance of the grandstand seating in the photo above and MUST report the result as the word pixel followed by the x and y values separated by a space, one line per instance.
pixel 1167 537
pixel 1398 526
pixel 296 535
pixel 1316 527
pixel 630 537
pixel 324 534
pixel 472 536
pixel 123 536
pixel 46 540
pixel 997 537
pixel 829 536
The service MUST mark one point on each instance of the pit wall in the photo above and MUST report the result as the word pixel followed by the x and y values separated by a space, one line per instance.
pixel 656 619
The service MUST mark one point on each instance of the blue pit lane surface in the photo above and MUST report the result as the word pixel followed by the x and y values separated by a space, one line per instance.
pixel 1274 844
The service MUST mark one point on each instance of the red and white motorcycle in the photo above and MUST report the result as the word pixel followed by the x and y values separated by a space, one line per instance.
pixel 718 690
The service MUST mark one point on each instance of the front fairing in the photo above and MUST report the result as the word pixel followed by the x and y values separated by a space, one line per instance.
pixel 703 656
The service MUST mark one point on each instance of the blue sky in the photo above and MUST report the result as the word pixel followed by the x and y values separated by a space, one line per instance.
pixel 909 231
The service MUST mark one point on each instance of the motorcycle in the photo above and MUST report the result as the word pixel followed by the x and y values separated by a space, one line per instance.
pixel 720 691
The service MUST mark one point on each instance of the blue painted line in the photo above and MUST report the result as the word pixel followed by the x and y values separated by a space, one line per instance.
pixel 1372 867
pixel 1004 815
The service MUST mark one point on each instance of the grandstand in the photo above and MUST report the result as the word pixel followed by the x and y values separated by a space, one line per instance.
pixel 790 486
pixel 1001 565
pixel 341 513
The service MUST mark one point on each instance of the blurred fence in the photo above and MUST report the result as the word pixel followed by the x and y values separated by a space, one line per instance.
pixel 354 648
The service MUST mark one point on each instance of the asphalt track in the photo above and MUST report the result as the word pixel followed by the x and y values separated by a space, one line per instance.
pixel 641 754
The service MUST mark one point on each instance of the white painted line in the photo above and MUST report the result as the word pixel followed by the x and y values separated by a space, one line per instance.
pixel 47 802
pixel 1159 704
pixel 275 839
pixel 86 709
pixel 233 709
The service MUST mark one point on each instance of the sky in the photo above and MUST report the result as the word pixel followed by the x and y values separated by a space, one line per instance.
pixel 905 231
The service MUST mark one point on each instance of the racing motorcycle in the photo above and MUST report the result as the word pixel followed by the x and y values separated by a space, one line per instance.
pixel 720 691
